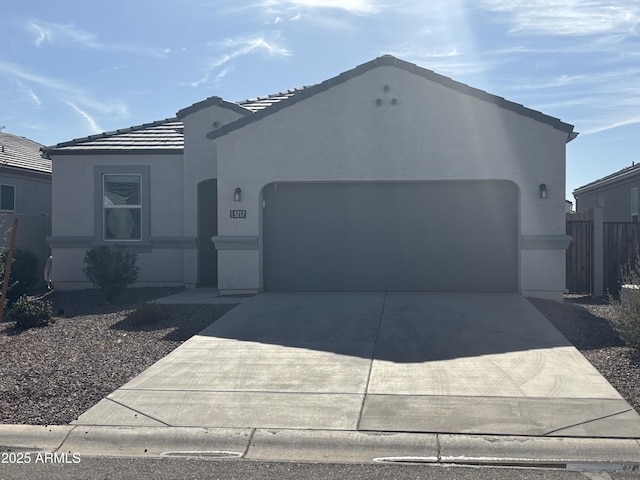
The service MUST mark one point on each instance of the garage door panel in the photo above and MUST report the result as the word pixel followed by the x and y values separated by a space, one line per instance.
pixel 412 236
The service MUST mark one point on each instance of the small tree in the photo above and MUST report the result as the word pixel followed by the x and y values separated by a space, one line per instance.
pixel 627 321
pixel 111 269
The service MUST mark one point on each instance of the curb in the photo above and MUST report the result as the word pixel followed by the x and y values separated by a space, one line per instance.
pixel 326 446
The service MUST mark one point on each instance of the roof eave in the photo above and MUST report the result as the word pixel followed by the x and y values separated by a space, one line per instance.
pixel 606 181
pixel 114 151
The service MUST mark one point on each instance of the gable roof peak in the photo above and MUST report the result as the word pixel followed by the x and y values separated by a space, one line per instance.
pixel 208 102
pixel 389 60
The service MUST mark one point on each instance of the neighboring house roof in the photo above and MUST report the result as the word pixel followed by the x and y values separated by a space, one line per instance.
pixel 22 153
pixel 166 136
pixel 623 174
pixel 306 92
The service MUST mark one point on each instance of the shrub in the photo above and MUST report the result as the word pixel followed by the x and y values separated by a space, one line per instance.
pixel 31 313
pixel 111 269
pixel 627 319
pixel 23 272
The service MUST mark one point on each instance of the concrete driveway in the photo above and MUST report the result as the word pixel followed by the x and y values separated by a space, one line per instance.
pixel 392 362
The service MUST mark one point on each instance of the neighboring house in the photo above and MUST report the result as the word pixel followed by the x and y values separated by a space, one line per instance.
pixel 388 177
pixel 25 192
pixel 615 194
pixel 568 206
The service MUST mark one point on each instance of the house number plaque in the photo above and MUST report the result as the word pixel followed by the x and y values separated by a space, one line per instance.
pixel 238 213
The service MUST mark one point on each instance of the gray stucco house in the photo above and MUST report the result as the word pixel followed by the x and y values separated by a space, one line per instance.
pixel 25 192
pixel 616 194
pixel 388 177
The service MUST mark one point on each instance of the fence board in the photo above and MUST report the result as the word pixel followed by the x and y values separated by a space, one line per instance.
pixel 620 244
pixel 579 257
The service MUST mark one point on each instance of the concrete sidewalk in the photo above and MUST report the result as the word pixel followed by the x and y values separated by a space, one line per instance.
pixel 356 376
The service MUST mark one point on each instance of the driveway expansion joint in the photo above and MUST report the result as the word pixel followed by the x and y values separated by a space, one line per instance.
pixel 586 422
pixel 373 358
pixel 139 412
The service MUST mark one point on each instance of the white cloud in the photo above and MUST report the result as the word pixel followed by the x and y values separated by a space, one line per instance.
pixel 48 33
pixel 51 33
pixel 30 93
pixel 61 90
pixel 360 7
pixel 91 123
pixel 633 120
pixel 567 17
pixel 233 48
pixel 223 73
pixel 241 46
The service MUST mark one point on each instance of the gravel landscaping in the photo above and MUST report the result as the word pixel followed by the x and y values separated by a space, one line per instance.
pixel 585 322
pixel 51 375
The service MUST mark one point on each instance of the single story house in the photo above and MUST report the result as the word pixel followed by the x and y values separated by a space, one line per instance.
pixel 387 177
pixel 25 192
pixel 616 194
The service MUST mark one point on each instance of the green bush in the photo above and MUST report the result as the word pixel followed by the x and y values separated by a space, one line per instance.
pixel 23 275
pixel 627 318
pixel 111 269
pixel 31 313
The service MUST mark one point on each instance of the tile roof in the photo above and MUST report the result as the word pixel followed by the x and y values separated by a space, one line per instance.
pixel 20 152
pixel 163 136
pixel 611 178
pixel 260 103
pixel 306 92
pixel 166 136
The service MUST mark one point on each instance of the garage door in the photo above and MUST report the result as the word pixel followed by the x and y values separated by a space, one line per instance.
pixel 391 236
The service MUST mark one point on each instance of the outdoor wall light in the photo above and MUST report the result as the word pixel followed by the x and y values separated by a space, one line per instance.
pixel 544 193
pixel 237 194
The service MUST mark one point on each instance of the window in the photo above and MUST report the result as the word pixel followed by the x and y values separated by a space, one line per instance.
pixel 601 201
pixel 122 203
pixel 634 204
pixel 7 198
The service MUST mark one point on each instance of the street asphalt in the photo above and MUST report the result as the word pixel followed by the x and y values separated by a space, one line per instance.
pixel 362 377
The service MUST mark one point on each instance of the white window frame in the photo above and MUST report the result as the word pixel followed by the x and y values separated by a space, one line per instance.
pixel 106 207
pixel 8 210
pixel 100 171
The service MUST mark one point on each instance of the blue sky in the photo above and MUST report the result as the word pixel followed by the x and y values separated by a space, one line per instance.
pixel 73 68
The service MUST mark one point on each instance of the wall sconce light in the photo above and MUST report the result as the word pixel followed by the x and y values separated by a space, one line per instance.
pixel 544 193
pixel 237 194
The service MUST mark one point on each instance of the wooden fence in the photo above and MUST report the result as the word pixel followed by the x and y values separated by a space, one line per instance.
pixel 620 245
pixel 620 241
pixel 580 256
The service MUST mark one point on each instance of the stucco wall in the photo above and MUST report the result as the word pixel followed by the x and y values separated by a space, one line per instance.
pixel 199 164
pixel 431 133
pixel 73 230
pixel 33 207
